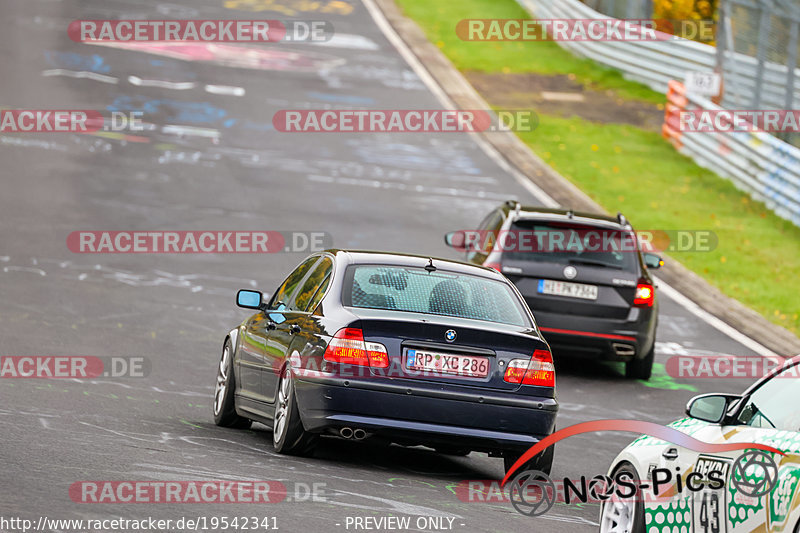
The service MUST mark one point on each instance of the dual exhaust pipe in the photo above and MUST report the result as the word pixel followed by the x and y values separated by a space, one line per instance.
pixel 350 433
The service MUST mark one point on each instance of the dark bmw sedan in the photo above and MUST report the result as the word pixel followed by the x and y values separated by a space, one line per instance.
pixel 399 348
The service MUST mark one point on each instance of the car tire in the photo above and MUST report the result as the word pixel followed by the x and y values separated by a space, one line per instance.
pixel 542 462
pixel 288 434
pixel 224 405
pixel 641 368
pixel 622 515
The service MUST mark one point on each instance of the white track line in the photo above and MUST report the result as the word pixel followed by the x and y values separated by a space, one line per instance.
pixel 539 193
pixel 227 90
pixel 80 74
pixel 175 86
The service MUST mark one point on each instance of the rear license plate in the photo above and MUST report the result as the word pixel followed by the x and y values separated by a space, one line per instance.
pixel 446 363
pixel 570 290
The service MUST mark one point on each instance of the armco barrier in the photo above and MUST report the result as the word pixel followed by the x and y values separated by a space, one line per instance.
pixel 655 63
pixel 757 162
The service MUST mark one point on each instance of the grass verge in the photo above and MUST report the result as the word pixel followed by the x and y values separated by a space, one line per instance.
pixel 439 20
pixel 625 168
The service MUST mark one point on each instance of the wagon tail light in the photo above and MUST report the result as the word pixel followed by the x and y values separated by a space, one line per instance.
pixel 645 295
pixel 348 347
pixel 539 371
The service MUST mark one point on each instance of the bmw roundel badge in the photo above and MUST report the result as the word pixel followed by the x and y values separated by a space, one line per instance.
pixel 450 335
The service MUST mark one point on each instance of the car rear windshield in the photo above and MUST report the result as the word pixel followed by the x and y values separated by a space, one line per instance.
pixel 565 243
pixel 416 290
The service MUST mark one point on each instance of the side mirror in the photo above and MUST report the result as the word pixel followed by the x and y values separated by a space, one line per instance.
pixel 710 407
pixel 653 261
pixel 249 299
pixel 455 239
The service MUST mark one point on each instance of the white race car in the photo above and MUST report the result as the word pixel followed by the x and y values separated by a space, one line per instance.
pixel 735 491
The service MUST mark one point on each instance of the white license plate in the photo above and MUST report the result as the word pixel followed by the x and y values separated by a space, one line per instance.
pixel 447 363
pixel 571 290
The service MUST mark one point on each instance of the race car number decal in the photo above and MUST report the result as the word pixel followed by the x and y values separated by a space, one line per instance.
pixel 709 505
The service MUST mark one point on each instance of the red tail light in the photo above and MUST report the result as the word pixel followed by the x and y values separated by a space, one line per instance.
pixel 495 266
pixel 645 295
pixel 539 371
pixel 348 347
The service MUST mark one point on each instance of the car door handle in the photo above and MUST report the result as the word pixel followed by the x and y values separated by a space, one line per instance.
pixel 670 454
pixel 295 329
pixel 271 325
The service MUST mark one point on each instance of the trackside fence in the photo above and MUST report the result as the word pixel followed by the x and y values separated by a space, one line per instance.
pixel 757 162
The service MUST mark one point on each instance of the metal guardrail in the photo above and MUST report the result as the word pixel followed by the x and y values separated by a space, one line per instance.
pixel 765 167
pixel 757 162
pixel 655 63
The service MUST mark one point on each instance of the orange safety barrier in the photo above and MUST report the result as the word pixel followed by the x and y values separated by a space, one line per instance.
pixel 676 102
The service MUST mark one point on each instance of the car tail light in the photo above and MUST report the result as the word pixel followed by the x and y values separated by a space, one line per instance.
pixel 515 372
pixel 539 370
pixel 645 295
pixel 348 347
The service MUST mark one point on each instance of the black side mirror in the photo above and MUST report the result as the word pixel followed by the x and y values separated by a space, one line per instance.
pixel 653 261
pixel 710 407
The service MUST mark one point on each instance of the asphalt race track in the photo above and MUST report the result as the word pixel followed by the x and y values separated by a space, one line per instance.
pixel 212 161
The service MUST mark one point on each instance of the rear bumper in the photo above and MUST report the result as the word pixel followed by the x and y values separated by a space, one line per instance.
pixel 478 421
pixel 599 338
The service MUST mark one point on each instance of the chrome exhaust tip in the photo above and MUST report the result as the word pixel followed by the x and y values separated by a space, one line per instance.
pixel 623 350
pixel 346 433
pixel 359 434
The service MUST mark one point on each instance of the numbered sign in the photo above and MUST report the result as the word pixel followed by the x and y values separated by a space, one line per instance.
pixel 703 83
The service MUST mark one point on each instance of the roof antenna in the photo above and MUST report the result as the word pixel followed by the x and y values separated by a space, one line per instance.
pixel 621 219
pixel 570 213
pixel 430 267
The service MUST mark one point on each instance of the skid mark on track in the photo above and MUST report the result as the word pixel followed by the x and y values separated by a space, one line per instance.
pixel 6 140
pixel 97 273
pixel 217 444
pixel 292 7
pixel 232 55
pixel 389 505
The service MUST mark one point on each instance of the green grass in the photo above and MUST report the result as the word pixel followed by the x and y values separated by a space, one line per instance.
pixel 439 20
pixel 624 168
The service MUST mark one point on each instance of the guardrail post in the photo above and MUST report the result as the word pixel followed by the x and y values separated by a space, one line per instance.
pixel 764 24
